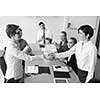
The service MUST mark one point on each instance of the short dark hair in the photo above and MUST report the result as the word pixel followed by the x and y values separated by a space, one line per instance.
pixel 87 29
pixel 41 23
pixel 49 39
pixel 64 33
pixel 11 29
pixel 73 39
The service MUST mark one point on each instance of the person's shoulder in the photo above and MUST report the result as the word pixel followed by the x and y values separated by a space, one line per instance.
pixel 39 31
pixel 11 44
pixel 22 40
pixel 47 30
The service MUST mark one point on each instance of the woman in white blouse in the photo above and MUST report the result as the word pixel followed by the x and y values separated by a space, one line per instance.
pixel 14 55
pixel 85 52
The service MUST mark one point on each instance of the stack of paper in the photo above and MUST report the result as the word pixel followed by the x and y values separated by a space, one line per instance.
pixel 60 68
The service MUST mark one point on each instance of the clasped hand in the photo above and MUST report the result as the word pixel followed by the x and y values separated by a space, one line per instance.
pixel 49 56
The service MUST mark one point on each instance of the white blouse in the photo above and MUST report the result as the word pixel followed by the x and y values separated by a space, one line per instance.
pixel 13 58
pixel 86 56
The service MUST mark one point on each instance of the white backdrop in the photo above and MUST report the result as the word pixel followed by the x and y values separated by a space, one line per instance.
pixel 55 24
pixel 30 27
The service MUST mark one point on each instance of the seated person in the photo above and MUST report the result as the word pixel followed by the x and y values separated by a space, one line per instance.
pixel 62 47
pixel 72 59
pixel 49 48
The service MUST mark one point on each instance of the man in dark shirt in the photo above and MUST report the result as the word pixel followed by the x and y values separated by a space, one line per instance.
pixel 62 47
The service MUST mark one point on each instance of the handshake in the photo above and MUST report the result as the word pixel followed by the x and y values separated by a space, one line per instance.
pixel 49 56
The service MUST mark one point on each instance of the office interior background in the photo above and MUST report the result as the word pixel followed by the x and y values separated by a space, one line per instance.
pixel 55 24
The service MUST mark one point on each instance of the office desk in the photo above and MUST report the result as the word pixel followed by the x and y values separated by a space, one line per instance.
pixel 47 78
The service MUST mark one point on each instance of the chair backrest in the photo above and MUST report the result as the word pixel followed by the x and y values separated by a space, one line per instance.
pixel 1 76
pixel 2 62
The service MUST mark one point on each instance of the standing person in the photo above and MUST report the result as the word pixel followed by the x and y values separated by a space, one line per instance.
pixel 43 33
pixel 85 52
pixel 14 56
pixel 62 47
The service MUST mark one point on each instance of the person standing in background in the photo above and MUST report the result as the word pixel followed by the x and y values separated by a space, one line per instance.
pixel 43 33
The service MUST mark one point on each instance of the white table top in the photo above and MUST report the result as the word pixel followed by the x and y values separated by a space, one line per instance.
pixel 47 78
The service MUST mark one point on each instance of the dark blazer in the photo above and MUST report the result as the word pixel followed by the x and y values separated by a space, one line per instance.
pixel 73 63
pixel 63 47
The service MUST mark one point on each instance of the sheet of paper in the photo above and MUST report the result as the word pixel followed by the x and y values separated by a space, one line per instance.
pixel 32 69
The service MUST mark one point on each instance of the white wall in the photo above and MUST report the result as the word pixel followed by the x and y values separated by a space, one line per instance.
pixel 76 21
pixel 55 24
pixel 30 26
